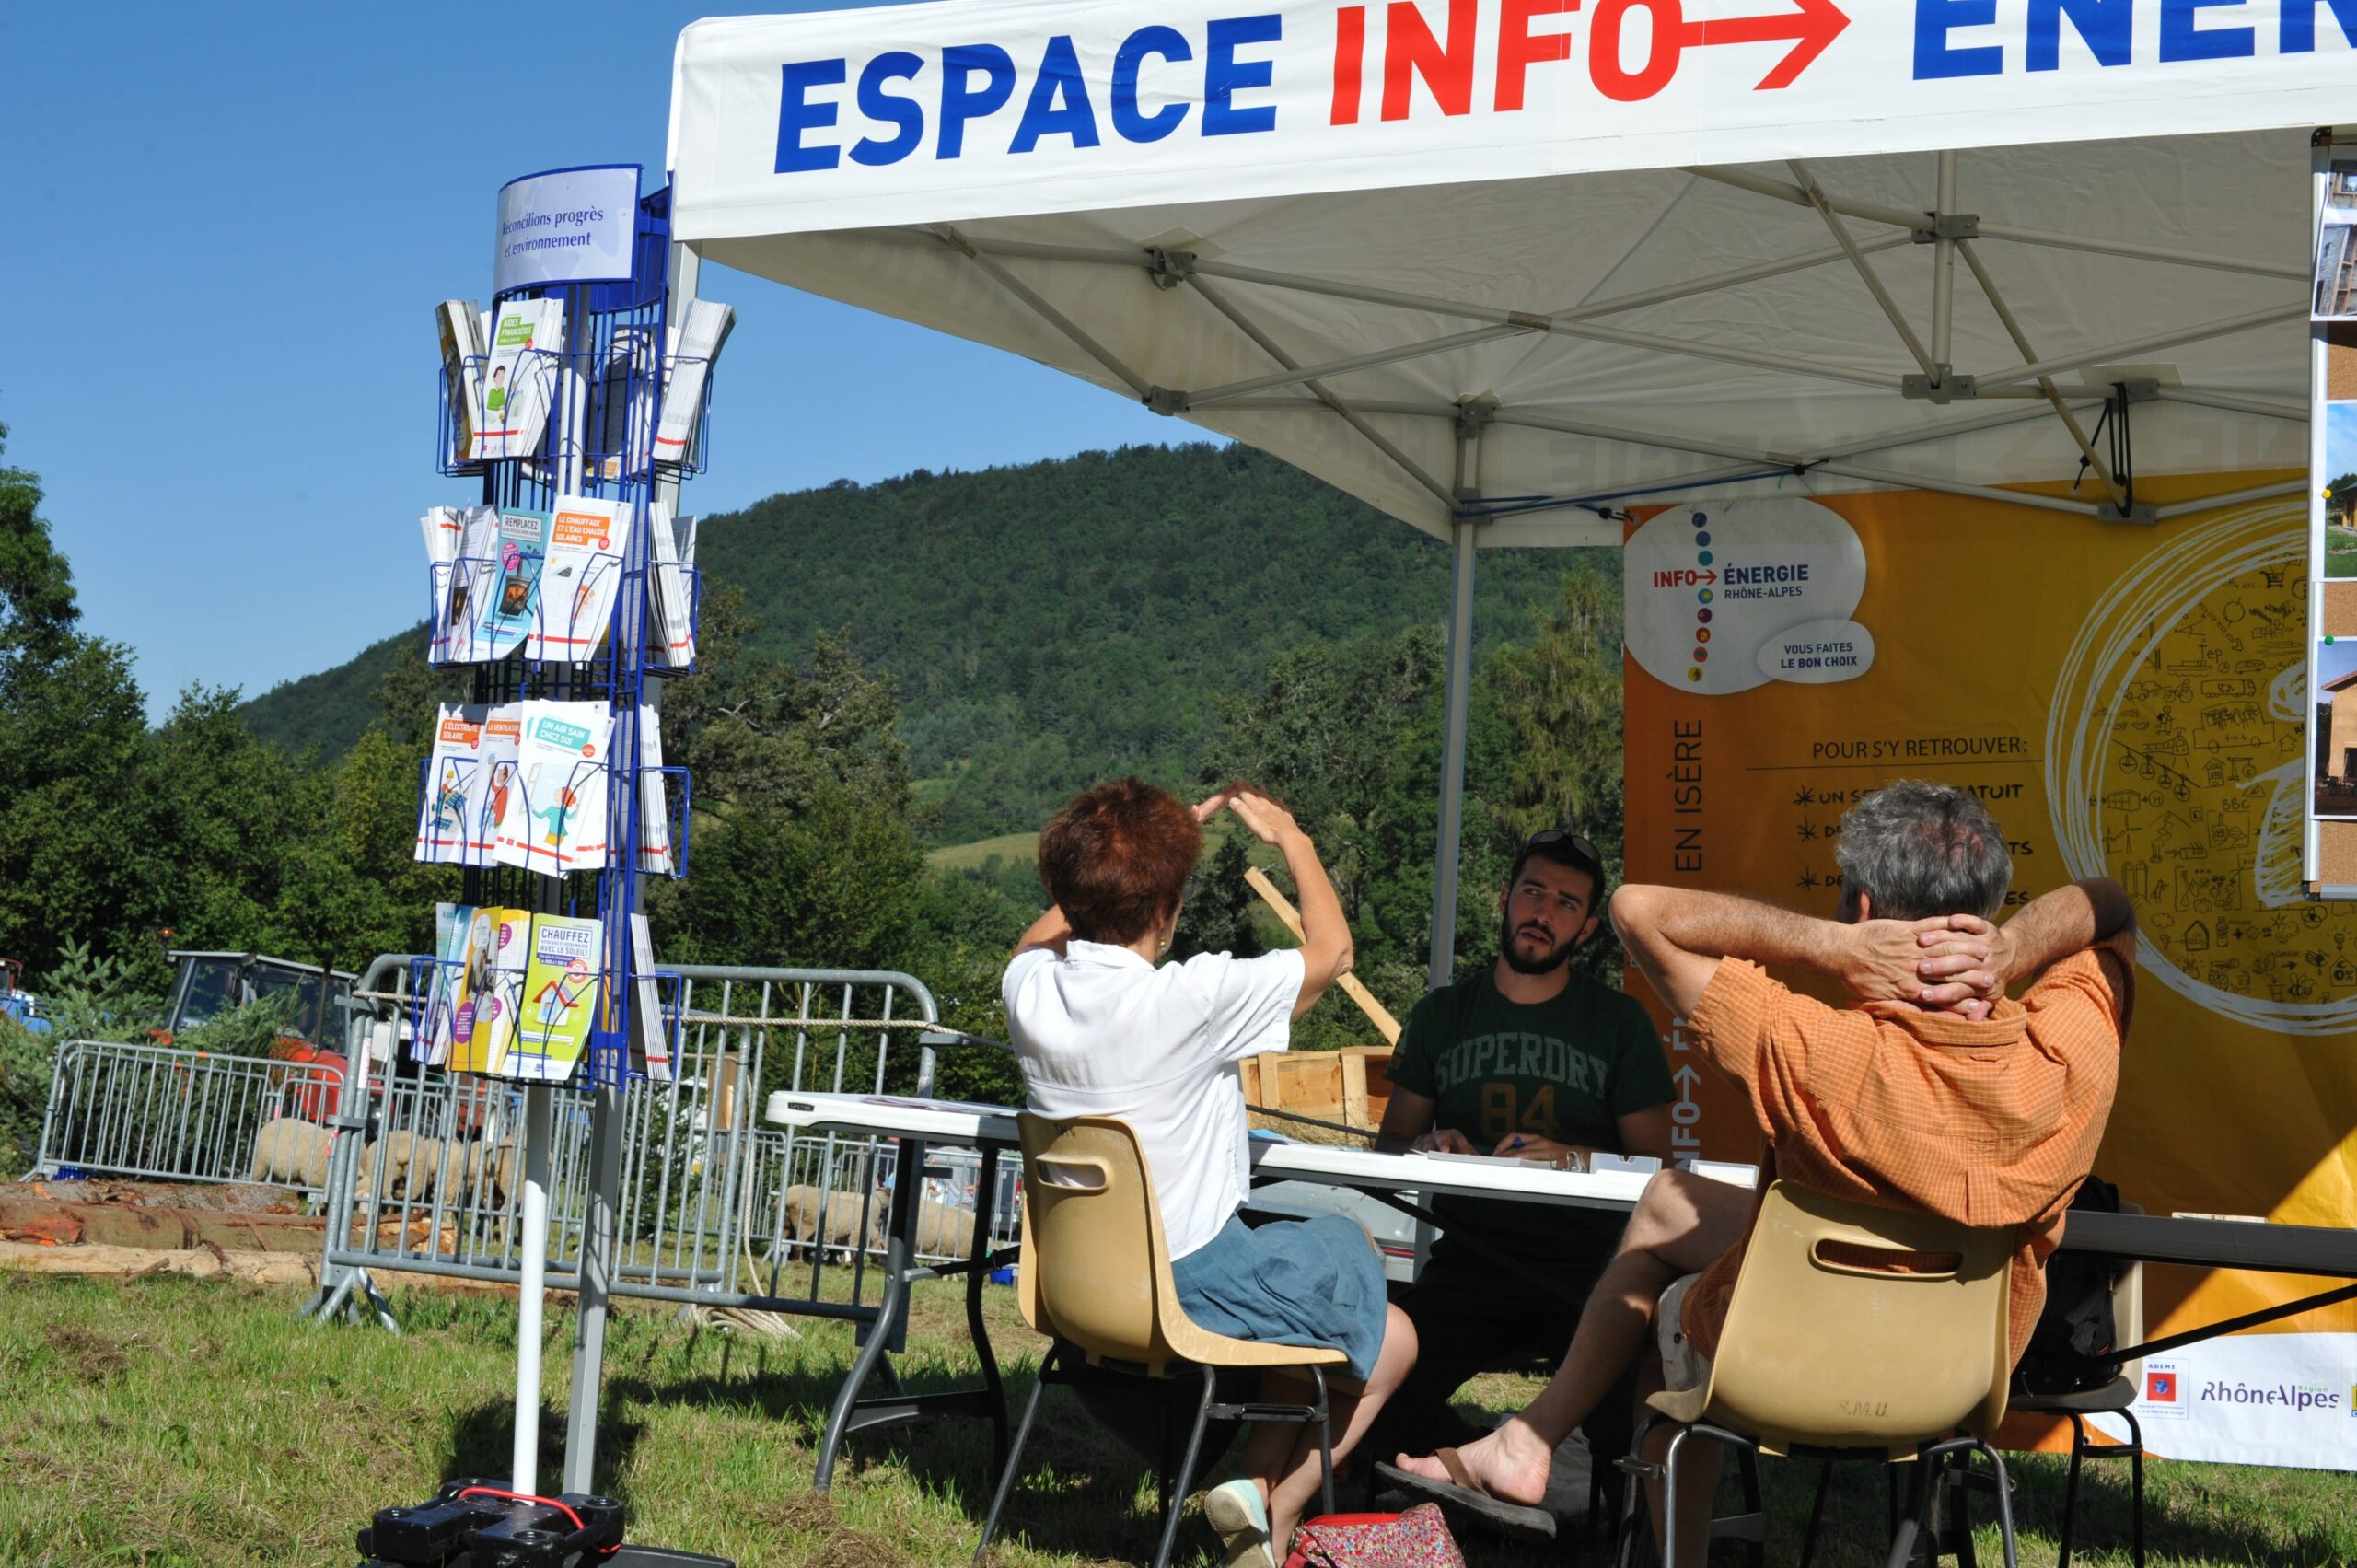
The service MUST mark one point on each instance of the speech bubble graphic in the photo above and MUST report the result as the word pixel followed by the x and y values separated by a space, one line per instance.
pixel 1818 653
pixel 1707 586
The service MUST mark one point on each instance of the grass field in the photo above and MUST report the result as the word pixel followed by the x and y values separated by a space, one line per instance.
pixel 174 1422
pixel 1011 847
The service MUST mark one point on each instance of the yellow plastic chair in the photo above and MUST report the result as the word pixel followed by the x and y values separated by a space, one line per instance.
pixel 2115 1397
pixel 1853 1331
pixel 1096 1278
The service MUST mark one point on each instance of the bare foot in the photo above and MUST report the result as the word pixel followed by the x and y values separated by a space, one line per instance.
pixel 1512 1462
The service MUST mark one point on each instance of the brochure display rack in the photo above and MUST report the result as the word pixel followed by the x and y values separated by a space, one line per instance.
pixel 567 594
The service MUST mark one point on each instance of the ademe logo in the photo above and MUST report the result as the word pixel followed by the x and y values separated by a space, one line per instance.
pixel 2160 1387
pixel 2164 1390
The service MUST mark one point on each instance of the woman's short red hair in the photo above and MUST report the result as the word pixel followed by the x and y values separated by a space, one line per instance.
pixel 1116 859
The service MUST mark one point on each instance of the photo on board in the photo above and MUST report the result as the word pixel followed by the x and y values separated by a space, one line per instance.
pixel 2335 730
pixel 2341 489
pixel 2335 297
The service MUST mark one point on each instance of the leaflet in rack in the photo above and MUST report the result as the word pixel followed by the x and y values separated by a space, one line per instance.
pixel 672 556
pixel 527 347
pixel 454 783
pixel 581 569
pixel 695 347
pixel 460 326
pixel 561 761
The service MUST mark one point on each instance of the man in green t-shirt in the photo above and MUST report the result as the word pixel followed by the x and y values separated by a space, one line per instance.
pixel 1525 1060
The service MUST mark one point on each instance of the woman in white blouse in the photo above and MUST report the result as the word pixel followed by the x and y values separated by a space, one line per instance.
pixel 1103 1030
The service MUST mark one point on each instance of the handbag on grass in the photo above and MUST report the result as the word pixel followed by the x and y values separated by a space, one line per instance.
pixel 1417 1538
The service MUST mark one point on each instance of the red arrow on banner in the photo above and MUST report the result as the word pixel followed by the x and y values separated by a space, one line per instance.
pixel 1711 578
pixel 1812 27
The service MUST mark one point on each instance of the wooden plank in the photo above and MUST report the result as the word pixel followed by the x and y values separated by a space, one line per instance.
pixel 1380 1016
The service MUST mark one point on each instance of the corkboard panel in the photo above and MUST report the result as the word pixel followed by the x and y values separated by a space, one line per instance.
pixel 2337 855
pixel 2339 616
pixel 2340 361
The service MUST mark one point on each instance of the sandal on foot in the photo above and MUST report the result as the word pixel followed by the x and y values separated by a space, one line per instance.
pixel 1463 1496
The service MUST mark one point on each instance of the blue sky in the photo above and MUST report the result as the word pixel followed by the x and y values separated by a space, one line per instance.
pixel 227 228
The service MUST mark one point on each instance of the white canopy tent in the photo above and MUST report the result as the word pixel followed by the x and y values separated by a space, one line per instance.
pixel 1498 267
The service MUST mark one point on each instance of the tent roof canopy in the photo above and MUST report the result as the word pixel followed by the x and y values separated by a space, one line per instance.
pixel 1526 333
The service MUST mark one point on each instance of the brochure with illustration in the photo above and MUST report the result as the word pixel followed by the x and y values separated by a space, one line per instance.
pixel 454 780
pixel 492 965
pixel 560 823
pixel 501 791
pixel 527 347
pixel 581 567
pixel 671 553
pixel 520 547
pixel 445 986
pixel 561 988
pixel 696 348
pixel 459 324
pixel 650 1032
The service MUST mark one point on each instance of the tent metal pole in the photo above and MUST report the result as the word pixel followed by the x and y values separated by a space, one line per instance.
pixel 1761 184
pixel 1097 255
pixel 1220 302
pixel 2295 414
pixel 2233 498
pixel 2119 497
pixel 1866 271
pixel 1047 312
pixel 2224 328
pixel 1211 396
pixel 1448 841
pixel 1943 272
pixel 2140 252
pixel 1979 491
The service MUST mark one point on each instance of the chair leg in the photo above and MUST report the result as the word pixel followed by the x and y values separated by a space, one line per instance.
pixel 1755 1552
pixel 1325 1441
pixel 1920 1494
pixel 1014 1461
pixel 2005 1503
pixel 1669 1497
pixel 1959 1528
pixel 2136 1486
pixel 2071 1487
pixel 1816 1511
pixel 1186 1469
pixel 1636 1515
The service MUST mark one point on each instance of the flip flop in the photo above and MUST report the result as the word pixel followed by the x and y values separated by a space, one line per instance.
pixel 1465 1497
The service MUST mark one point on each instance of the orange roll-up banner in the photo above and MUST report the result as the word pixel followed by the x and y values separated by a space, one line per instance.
pixel 2129 702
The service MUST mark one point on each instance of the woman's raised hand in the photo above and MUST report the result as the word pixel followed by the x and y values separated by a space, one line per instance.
pixel 1208 807
pixel 1262 813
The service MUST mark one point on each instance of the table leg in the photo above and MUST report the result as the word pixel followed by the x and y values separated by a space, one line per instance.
pixel 977 1278
pixel 899 1246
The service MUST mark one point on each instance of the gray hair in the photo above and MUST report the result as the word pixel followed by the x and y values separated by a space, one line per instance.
pixel 1919 850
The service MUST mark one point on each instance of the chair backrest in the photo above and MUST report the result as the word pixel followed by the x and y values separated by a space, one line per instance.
pixel 1096 1269
pixel 1858 1326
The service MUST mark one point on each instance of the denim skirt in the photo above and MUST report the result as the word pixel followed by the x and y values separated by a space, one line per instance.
pixel 1289 1282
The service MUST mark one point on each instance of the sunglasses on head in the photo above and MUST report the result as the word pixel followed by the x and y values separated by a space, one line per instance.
pixel 1579 844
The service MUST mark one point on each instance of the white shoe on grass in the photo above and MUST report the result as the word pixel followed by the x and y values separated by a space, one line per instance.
pixel 1234 1510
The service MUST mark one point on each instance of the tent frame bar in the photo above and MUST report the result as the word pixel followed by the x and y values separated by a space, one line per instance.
pixel 1045 311
pixel 2080 359
pixel 2119 497
pixel 1934 371
pixel 1218 300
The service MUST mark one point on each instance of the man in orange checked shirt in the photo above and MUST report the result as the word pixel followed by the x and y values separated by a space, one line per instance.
pixel 1934 1093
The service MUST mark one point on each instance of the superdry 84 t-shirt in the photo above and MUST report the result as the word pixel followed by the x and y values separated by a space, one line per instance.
pixel 1566 1069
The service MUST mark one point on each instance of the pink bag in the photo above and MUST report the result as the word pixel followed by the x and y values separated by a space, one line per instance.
pixel 1417 1538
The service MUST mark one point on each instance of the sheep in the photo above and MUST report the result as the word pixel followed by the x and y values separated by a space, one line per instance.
pixel 822 1216
pixel 289 1149
pixel 409 1162
pixel 488 1173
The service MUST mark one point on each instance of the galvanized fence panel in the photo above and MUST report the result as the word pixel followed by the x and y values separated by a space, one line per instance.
pixel 711 1208
pixel 159 1113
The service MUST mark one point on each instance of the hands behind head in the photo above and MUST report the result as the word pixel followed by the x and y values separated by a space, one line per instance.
pixel 1260 812
pixel 1956 963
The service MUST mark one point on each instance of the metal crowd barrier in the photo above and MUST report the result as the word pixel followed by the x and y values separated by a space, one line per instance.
pixel 158 1113
pixel 712 1210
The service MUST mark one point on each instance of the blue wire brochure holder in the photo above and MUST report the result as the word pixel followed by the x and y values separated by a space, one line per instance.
pixel 552 589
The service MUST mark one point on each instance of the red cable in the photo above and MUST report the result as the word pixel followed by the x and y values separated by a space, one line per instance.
pixel 525 1497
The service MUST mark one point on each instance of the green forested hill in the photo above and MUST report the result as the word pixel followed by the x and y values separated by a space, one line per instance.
pixel 1052 624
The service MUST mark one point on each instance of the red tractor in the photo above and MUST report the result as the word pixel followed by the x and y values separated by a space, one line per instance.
pixel 317 1025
